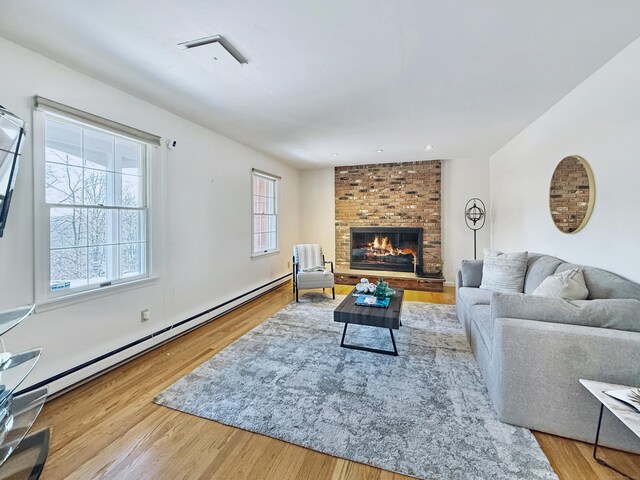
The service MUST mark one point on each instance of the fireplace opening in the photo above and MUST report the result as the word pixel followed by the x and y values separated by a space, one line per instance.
pixel 396 249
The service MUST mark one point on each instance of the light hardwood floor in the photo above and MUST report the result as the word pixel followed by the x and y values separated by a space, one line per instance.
pixel 110 427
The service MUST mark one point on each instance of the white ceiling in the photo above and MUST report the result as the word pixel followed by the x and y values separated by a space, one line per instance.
pixel 346 76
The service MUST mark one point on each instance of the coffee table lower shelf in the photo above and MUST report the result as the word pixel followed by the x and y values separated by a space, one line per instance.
pixel 367 349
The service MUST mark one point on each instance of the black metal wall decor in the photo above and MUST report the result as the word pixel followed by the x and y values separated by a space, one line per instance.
pixel 474 217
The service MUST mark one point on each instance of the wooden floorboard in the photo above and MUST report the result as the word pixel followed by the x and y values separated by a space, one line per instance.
pixel 110 428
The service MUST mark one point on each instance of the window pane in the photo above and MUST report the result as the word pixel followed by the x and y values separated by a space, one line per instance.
pixel 68 265
pixel 272 241
pixel 128 157
pixel 262 187
pixel 270 205
pixel 68 227
pixel 100 226
pixel 257 245
pixel 257 219
pixel 132 226
pixel 259 204
pixel 55 156
pixel 264 241
pixel 273 223
pixel 97 187
pixel 63 143
pixel 271 191
pixel 132 259
pixel 63 184
pixel 129 190
pixel 98 150
pixel 264 223
pixel 98 264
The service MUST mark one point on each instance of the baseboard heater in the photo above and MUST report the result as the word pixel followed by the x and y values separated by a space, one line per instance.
pixel 104 356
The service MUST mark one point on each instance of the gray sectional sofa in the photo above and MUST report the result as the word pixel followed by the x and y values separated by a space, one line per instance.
pixel 532 350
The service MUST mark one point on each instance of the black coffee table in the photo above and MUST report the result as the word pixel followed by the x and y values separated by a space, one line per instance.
pixel 348 312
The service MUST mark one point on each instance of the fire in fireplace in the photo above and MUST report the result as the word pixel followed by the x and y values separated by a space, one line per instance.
pixel 386 248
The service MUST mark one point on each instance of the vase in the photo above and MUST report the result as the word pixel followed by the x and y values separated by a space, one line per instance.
pixel 381 290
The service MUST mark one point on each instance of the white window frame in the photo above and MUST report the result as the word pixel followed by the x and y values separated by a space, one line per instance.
pixel 276 179
pixel 45 297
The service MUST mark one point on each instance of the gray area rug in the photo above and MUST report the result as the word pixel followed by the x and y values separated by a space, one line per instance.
pixel 425 413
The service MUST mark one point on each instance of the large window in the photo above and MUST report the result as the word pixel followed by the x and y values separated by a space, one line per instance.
pixel 265 212
pixel 95 204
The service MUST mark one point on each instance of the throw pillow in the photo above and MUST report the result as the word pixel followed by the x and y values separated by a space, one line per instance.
pixel 471 273
pixel 504 272
pixel 569 285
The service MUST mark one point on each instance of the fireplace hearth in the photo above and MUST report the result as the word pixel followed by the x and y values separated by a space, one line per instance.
pixel 397 249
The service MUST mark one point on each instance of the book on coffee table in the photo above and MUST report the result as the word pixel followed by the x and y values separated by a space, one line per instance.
pixel 372 301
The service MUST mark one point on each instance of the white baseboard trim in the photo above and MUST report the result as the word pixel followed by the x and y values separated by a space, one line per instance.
pixel 80 374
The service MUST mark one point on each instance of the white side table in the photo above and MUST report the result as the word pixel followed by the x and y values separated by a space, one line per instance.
pixel 628 415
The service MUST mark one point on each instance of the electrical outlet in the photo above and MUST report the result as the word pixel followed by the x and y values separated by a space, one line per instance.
pixel 144 315
pixel 288 264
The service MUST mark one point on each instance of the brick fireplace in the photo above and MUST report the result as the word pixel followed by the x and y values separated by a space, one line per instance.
pixel 393 195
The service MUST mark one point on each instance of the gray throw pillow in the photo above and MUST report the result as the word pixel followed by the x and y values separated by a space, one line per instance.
pixel 471 273
pixel 504 272
pixel 569 285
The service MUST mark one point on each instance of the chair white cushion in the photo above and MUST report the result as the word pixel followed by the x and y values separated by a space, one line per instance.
pixel 315 280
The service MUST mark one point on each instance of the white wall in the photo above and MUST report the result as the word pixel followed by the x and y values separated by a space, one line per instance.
pixel 461 180
pixel 318 209
pixel 600 121
pixel 206 223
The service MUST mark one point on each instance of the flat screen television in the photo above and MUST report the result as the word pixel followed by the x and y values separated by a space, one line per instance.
pixel 12 136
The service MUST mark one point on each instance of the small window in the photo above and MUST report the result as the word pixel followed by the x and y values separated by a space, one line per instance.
pixel 264 213
pixel 95 206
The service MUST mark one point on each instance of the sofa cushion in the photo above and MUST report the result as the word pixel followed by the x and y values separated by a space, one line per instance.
pixel 603 284
pixel 471 273
pixel 568 285
pixel 481 315
pixel 539 267
pixel 504 272
pixel 618 314
pixel 474 296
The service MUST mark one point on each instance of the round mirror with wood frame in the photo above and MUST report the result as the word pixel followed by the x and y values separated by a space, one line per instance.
pixel 572 194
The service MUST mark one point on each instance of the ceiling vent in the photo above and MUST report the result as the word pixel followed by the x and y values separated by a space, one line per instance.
pixel 211 44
